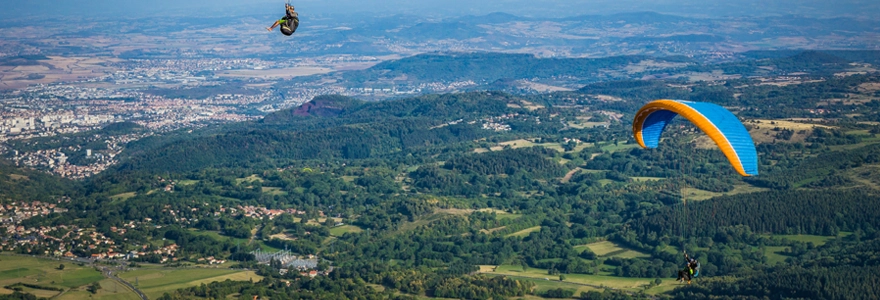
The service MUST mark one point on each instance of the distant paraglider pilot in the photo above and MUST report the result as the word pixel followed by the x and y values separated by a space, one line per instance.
pixel 691 270
pixel 288 23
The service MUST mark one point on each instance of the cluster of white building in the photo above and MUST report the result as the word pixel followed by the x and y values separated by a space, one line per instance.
pixel 19 125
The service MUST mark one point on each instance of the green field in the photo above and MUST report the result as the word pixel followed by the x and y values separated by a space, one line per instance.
pixel 187 182
pixel 611 249
pixel 605 182
pixel 622 283
pixel 525 232
pixel 619 147
pixel 582 125
pixel 341 230
pixel 273 191
pixel 41 293
pixel 156 281
pixel 867 141
pixel 123 196
pixel 251 178
pixel 502 216
pixel 523 143
pixel 44 272
pixel 773 254
pixel 110 290
pixel 699 195
pixel 542 285
pixel 817 240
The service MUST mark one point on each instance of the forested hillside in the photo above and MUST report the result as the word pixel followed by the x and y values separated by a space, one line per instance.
pixel 494 195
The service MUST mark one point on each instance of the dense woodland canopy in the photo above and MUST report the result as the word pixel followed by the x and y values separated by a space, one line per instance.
pixel 432 187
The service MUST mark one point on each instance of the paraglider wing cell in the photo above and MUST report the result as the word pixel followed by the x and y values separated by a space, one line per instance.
pixel 717 122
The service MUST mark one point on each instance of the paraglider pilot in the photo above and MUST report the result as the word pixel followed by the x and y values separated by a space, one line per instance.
pixel 689 270
pixel 289 22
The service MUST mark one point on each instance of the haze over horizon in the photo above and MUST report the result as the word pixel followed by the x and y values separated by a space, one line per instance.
pixel 435 8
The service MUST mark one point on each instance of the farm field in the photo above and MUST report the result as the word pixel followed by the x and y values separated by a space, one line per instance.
pixel 156 281
pixel 694 194
pixel 611 249
pixel 110 290
pixel 818 240
pixel 581 281
pixel 44 272
pixel 341 230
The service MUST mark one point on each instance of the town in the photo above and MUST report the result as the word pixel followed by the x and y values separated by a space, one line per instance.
pixel 74 242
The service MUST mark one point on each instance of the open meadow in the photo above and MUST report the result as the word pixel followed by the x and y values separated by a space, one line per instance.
pixel 44 272
pixel 580 282
pixel 154 282
pixel 611 249
pixel 525 232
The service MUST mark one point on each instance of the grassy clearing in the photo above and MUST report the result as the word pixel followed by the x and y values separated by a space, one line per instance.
pixel 763 131
pixel 520 143
pixel 18 177
pixel 507 216
pixel 784 124
pixel 611 249
pixel 619 147
pixel 868 175
pixel 123 196
pixel 492 230
pixel 155 282
pixel 21 269
pixel 530 106
pixel 251 178
pixel 187 182
pixel 273 191
pixel 281 236
pixel 525 232
pixel 699 195
pixel 110 290
pixel 865 142
pixel 580 147
pixel 622 283
pixel 36 292
pixel 341 230
pixel 817 240
pixel 542 285
pixel 774 254
pixel 523 143
pixel 352 178
pixel 582 125
pixel 554 146
pixel 499 214
pixel 605 182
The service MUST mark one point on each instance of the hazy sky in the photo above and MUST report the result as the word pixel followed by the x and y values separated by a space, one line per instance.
pixel 439 8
